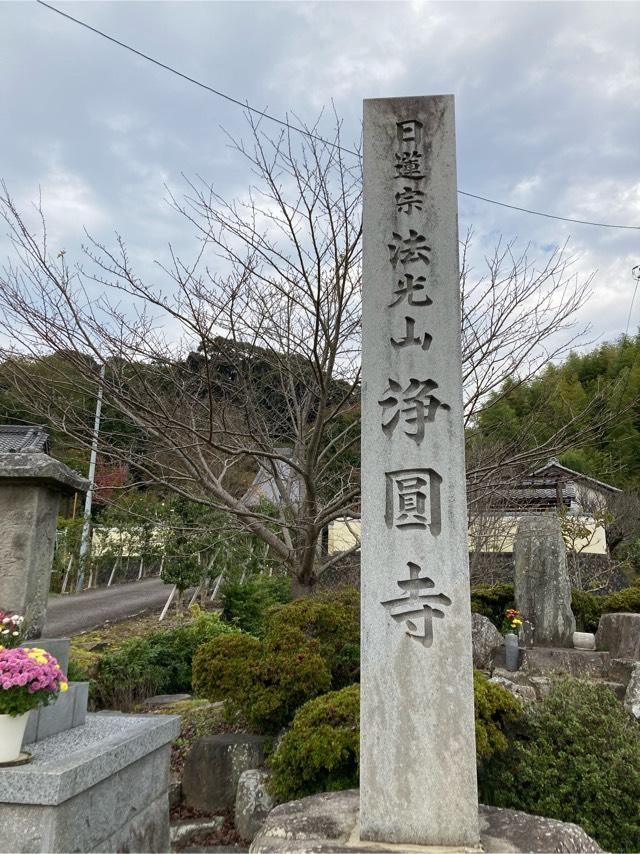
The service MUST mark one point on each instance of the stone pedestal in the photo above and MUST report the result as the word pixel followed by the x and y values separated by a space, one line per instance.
pixel 329 823
pixel 214 766
pixel 619 634
pixel 30 488
pixel 417 757
pixel 100 787
pixel 542 586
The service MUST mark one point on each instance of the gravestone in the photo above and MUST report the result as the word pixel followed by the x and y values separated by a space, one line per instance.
pixel 417 761
pixel 542 585
pixel 31 484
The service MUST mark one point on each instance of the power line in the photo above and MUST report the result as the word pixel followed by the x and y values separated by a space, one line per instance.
pixel 548 215
pixel 175 71
pixel 245 105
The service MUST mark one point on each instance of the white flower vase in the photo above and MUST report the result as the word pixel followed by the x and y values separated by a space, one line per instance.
pixel 11 735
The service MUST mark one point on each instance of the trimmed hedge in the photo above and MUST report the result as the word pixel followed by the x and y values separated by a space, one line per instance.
pixel 309 646
pixel 321 750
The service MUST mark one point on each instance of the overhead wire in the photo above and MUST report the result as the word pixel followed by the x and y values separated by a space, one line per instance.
pixel 282 122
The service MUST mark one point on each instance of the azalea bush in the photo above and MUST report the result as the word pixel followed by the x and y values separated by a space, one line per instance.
pixel 10 628
pixel 29 677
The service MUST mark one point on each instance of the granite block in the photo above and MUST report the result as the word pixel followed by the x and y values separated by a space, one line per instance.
pixel 147 831
pixel 99 787
pixel 71 762
pixel 91 817
pixel 128 811
pixel 58 716
pixel 81 703
pixel 67 711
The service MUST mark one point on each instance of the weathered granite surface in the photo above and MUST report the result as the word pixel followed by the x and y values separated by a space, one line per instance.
pixel 28 467
pixel 101 787
pixel 214 766
pixel 416 667
pixel 329 823
pixel 486 640
pixel 619 634
pixel 632 695
pixel 581 663
pixel 542 585
pixel 253 803
pixel 523 692
pixel 30 489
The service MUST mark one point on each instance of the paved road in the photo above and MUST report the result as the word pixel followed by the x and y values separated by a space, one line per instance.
pixel 68 615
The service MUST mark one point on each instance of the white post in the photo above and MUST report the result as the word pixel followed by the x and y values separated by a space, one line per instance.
pixel 168 602
pixel 66 576
pixel 113 572
pixel 86 528
pixel 417 756
pixel 217 585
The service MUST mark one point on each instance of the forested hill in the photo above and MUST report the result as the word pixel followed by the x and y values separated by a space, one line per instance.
pixel 595 388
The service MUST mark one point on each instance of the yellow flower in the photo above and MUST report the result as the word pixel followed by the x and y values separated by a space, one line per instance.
pixel 64 686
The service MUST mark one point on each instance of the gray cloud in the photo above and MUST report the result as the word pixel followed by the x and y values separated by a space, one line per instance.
pixel 547 111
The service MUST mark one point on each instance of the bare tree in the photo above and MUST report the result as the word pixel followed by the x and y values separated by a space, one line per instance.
pixel 247 363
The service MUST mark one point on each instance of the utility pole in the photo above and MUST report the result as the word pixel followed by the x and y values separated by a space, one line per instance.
pixel 86 528
pixel 635 272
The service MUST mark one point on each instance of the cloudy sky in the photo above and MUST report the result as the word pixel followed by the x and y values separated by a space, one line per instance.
pixel 547 102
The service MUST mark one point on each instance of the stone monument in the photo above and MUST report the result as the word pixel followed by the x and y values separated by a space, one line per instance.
pixel 542 585
pixel 31 483
pixel 417 762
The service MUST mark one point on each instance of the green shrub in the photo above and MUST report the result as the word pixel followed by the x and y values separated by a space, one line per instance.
pixel 245 605
pixel 309 646
pixel 587 609
pixel 492 600
pixel 333 620
pixel 156 663
pixel 265 683
pixel 579 762
pixel 225 667
pixel 623 600
pixel 496 713
pixel 321 750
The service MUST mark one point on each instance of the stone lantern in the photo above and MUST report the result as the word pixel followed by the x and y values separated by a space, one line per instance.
pixel 31 483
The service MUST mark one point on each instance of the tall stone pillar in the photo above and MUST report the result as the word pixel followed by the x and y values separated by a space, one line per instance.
pixel 417 764
pixel 30 488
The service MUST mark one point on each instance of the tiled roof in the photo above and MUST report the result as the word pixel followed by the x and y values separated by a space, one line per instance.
pixel 16 438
